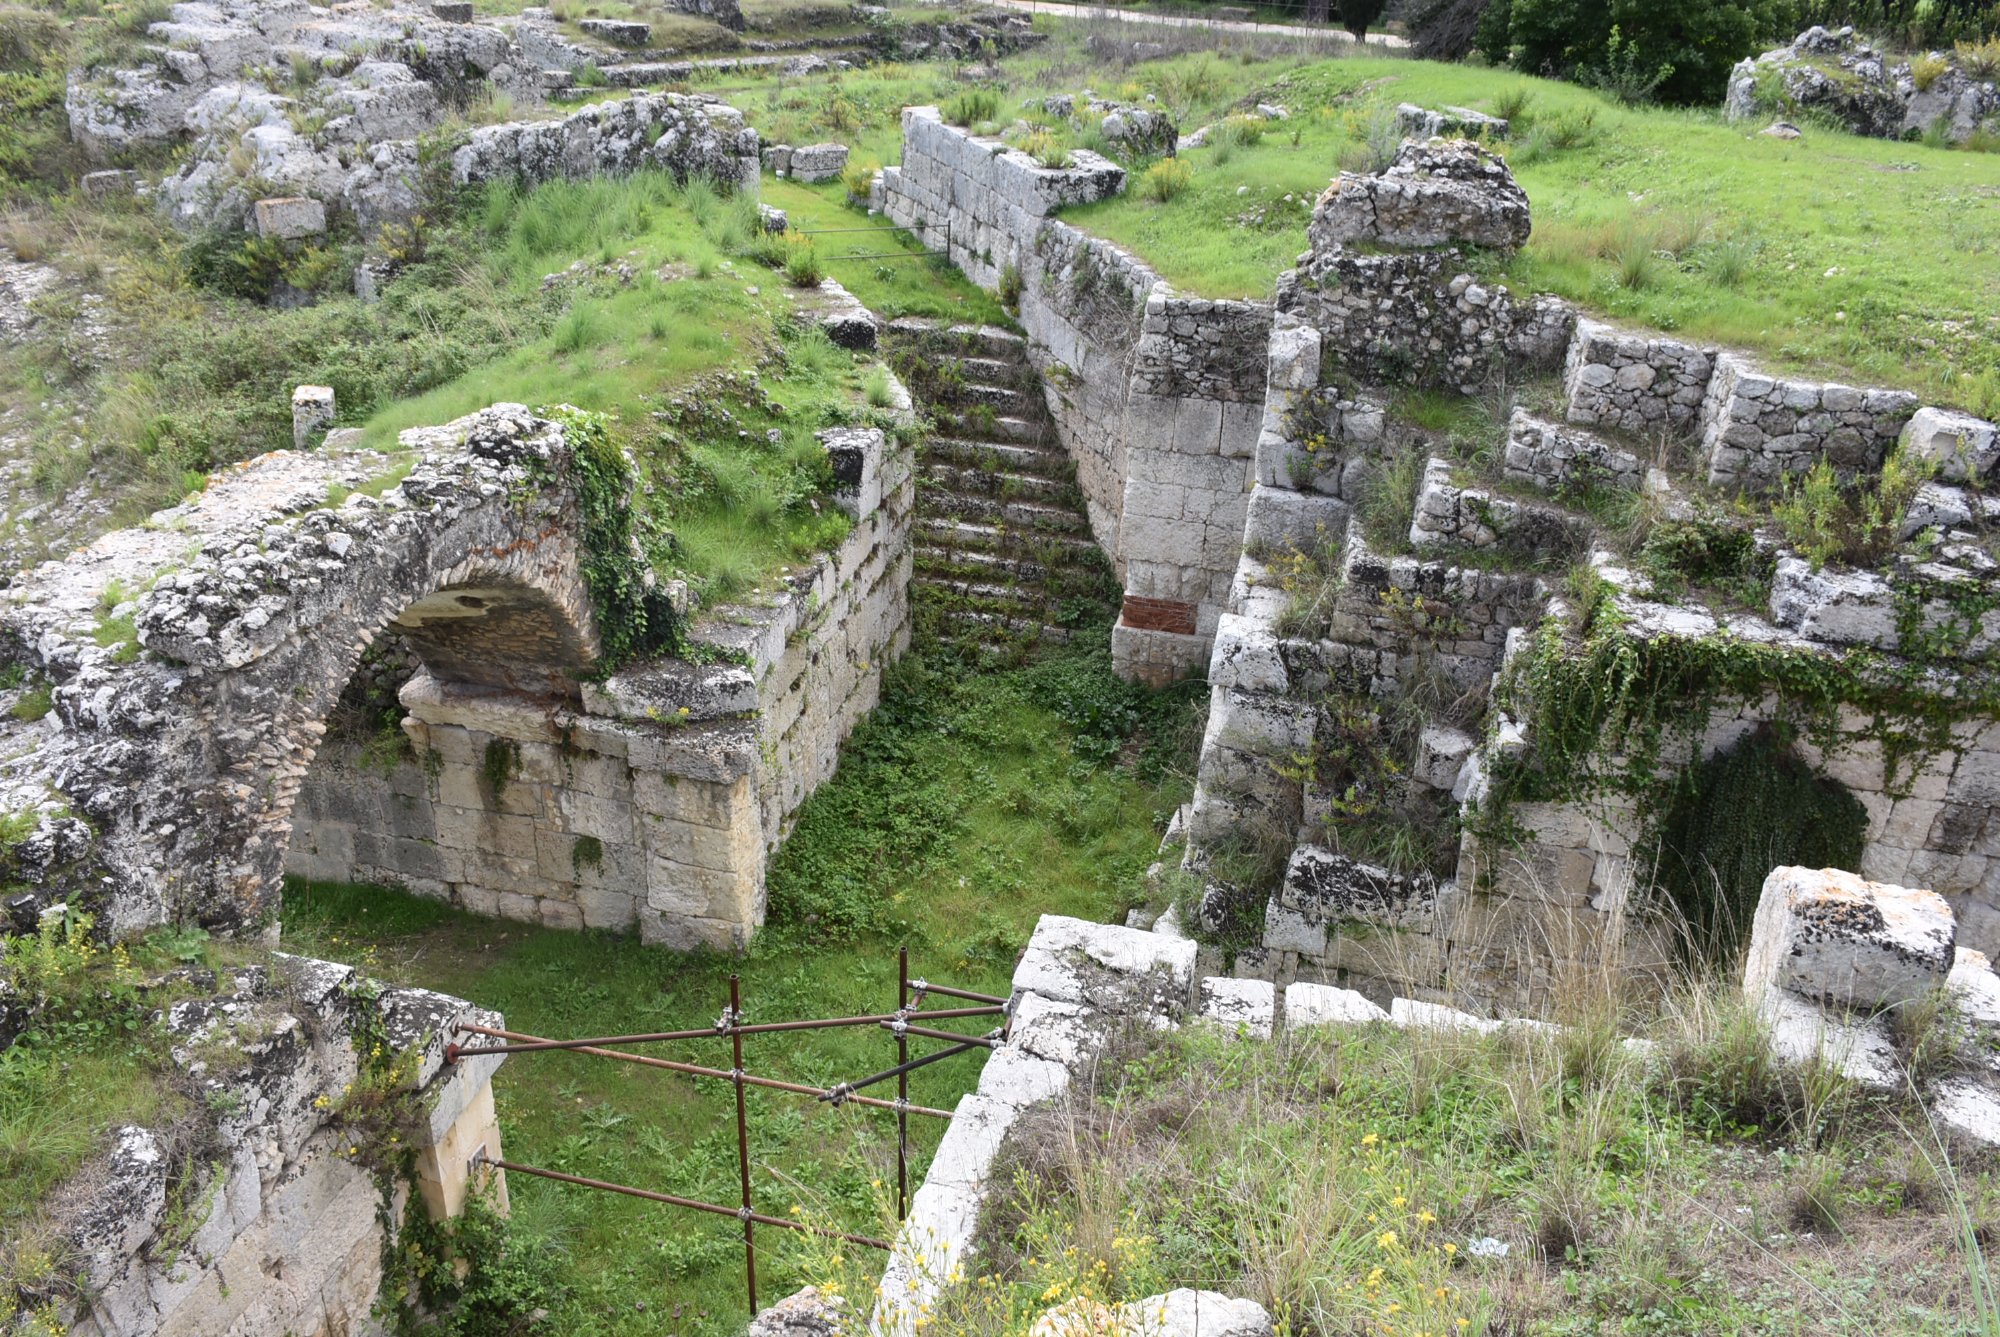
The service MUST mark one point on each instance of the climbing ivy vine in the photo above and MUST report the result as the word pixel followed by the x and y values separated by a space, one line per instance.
pixel 1602 698
pixel 634 617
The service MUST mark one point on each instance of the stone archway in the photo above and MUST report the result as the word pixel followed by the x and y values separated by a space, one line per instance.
pixel 249 609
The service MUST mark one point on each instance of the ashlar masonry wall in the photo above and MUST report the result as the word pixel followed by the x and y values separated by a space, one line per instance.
pixel 1155 394
pixel 653 804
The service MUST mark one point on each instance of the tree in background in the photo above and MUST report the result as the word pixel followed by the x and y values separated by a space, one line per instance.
pixel 1638 49
pixel 1356 15
pixel 1446 29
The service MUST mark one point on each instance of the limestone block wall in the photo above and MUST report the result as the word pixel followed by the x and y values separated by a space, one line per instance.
pixel 286 1229
pixel 1156 395
pixel 1638 383
pixel 652 805
pixel 1076 987
pixel 1757 429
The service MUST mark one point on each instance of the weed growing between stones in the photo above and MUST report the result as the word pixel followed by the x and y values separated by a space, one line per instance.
pixel 1852 522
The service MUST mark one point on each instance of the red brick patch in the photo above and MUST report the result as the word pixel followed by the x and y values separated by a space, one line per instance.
pixel 1144 614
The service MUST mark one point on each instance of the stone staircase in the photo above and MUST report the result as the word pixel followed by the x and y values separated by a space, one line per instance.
pixel 1005 563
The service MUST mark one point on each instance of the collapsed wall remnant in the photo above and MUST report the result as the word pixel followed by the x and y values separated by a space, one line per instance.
pixel 283 1221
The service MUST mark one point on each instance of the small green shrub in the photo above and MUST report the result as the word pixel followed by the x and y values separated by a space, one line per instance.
pixel 876 388
pixel 1705 552
pixel 1514 105
pixel 1573 129
pixel 1927 69
pixel 1009 287
pixel 1047 148
pixel 1636 262
pixel 1854 524
pixel 1728 262
pixel 972 107
pixel 802 266
pixel 1165 179
pixel 589 76
pixel 1980 60
pixel 1240 131
pixel 858 179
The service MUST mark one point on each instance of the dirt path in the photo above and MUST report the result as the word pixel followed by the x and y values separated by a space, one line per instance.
pixel 1080 11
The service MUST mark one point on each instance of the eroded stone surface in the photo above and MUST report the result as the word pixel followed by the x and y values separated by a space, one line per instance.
pixel 1439 193
pixel 1838 938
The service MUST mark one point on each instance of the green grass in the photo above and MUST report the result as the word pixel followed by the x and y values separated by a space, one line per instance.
pixel 965 806
pixel 1846 257
pixel 1343 1176
pixel 91 1056
pixel 889 287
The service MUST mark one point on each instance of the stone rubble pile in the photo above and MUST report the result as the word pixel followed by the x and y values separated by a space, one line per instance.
pixel 1837 75
pixel 1436 193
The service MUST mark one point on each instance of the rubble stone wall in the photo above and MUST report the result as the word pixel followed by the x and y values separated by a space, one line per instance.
pixel 1757 430
pixel 1156 395
pixel 1638 383
pixel 652 804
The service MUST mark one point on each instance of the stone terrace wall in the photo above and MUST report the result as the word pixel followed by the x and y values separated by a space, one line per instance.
pixel 654 806
pixel 1156 395
pixel 288 1234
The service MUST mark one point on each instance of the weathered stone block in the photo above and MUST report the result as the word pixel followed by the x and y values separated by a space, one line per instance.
pixel 818 162
pixel 312 413
pixel 1324 1005
pixel 1434 194
pixel 1242 1006
pixel 1957 445
pixel 1834 937
pixel 290 218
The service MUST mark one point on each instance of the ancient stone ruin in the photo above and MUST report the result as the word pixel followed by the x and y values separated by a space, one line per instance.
pixel 1231 457
pixel 1837 75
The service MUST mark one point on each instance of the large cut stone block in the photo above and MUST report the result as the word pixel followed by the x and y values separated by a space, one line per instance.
pixel 1836 937
pixel 290 218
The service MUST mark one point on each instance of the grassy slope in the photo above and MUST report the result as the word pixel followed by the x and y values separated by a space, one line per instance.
pixel 961 812
pixel 1342 1177
pixel 1872 259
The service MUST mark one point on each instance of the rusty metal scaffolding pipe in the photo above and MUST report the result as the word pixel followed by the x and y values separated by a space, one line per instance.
pixel 925 986
pixel 455 1052
pixel 721 1074
pixel 515 1167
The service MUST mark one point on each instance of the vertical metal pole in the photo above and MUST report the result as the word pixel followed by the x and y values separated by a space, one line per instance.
pixel 902 1087
pixel 743 1140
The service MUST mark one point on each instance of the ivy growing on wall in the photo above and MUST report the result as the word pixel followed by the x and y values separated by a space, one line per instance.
pixel 634 617
pixel 1602 698
pixel 1735 817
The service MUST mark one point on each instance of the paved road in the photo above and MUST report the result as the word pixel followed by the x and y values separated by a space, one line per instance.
pixel 1065 9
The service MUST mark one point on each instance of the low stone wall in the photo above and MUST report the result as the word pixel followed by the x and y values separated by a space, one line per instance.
pixel 1156 395
pixel 1553 458
pixel 287 1228
pixel 653 804
pixel 1451 515
pixel 1757 430
pixel 1644 384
